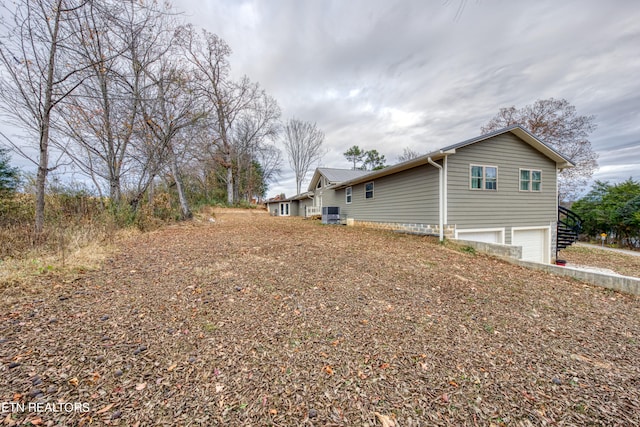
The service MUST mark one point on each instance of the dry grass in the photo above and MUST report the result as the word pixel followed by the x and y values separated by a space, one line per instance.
pixel 72 253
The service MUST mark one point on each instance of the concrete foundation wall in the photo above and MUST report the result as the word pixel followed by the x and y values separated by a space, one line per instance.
pixel 426 229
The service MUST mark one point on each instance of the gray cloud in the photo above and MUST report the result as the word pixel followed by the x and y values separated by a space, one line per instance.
pixel 389 75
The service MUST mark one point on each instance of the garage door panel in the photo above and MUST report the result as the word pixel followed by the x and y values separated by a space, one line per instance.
pixel 532 242
pixel 480 236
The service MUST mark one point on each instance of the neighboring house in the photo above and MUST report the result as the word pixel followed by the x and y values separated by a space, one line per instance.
pixel 497 188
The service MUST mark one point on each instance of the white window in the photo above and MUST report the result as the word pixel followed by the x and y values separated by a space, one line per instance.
pixel 348 193
pixel 484 177
pixel 530 180
pixel 284 209
pixel 368 190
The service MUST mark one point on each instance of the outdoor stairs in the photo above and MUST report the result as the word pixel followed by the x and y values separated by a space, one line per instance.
pixel 569 227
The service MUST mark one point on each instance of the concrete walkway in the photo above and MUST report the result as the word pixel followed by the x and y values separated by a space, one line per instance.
pixel 604 248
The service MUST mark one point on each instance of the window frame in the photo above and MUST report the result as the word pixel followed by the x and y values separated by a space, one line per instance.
pixel 530 181
pixel 372 191
pixel 483 183
pixel 284 209
pixel 348 195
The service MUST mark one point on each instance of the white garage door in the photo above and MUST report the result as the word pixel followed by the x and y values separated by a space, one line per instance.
pixel 533 244
pixel 480 236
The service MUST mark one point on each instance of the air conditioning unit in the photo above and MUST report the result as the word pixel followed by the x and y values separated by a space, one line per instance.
pixel 331 215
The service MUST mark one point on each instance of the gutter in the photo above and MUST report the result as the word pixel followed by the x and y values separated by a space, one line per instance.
pixel 440 196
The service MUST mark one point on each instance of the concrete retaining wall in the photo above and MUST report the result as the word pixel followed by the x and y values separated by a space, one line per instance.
pixel 496 249
pixel 513 254
pixel 626 284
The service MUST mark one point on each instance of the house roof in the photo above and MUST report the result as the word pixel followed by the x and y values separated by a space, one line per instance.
pixel 526 136
pixel 305 195
pixel 561 161
pixel 335 176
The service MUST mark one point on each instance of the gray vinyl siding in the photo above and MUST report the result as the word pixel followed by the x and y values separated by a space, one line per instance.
pixel 507 207
pixel 406 197
pixel 302 204
pixel 328 197
pixel 293 209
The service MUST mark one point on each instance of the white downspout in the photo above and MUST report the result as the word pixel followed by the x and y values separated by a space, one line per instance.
pixel 445 199
pixel 440 196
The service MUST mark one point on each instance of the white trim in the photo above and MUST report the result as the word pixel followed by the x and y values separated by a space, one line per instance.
pixel 348 192
pixel 440 196
pixel 284 209
pixel 547 239
pixel 373 194
pixel 445 201
pixel 531 171
pixel 484 177
pixel 501 230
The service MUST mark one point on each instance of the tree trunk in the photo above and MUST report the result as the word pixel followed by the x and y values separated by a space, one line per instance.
pixel 184 205
pixel 229 166
pixel 41 180
pixel 45 127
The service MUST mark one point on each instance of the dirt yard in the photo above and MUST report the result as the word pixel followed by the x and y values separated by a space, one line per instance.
pixel 256 320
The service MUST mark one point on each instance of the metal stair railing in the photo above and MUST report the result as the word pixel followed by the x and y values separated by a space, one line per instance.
pixel 568 228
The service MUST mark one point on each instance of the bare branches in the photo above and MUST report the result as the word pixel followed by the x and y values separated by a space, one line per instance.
pixel 127 98
pixel 408 154
pixel 303 142
pixel 556 123
pixel 38 78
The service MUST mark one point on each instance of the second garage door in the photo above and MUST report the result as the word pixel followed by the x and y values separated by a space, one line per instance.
pixel 534 244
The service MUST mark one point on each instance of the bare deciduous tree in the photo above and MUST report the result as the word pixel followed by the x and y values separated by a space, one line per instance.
pixel 36 78
pixel 252 134
pixel 241 113
pixel 408 154
pixel 119 41
pixel 303 143
pixel 556 123
pixel 170 105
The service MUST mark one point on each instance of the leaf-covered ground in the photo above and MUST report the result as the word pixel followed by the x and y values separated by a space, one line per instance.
pixel 627 265
pixel 256 320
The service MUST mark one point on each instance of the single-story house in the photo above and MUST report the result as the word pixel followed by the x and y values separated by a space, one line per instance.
pixel 500 188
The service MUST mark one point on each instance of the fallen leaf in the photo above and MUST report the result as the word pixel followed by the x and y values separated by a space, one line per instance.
pixel 36 421
pixel 74 381
pixel 141 386
pixel 328 369
pixel 384 366
pixel 105 409
pixel 172 367
pixel 273 411
pixel 385 420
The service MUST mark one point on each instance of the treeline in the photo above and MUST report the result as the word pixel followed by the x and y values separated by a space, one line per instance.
pixel 613 209
pixel 133 99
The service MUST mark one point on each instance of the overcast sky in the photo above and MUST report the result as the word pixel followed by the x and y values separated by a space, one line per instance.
pixel 429 73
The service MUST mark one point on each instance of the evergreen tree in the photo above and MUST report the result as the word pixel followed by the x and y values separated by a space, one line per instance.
pixel 9 176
